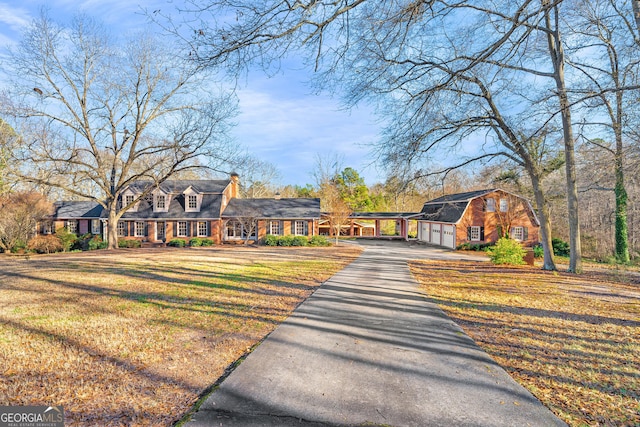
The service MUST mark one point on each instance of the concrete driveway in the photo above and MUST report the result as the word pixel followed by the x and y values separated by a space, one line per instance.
pixel 368 348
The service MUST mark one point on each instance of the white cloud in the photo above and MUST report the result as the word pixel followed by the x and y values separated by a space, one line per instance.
pixel 16 18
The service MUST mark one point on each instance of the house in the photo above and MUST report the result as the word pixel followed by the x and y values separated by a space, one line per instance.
pixel 480 217
pixel 184 209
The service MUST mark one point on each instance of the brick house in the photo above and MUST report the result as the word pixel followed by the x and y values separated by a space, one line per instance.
pixel 184 209
pixel 481 216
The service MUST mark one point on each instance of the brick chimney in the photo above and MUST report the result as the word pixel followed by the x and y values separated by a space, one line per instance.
pixel 235 181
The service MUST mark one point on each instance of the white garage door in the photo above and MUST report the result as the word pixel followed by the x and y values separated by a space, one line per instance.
pixel 435 233
pixel 448 238
pixel 424 232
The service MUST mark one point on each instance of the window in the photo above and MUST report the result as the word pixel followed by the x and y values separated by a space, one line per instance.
pixel 202 229
pixel 182 228
pixel 234 230
pixel 72 226
pixel 160 201
pixel 517 233
pixel 301 228
pixel 128 199
pixel 274 228
pixel 474 234
pixel 249 231
pixel 95 226
pixel 192 202
pixel 47 227
pixel 122 229
pixel 491 205
pixel 504 205
pixel 140 229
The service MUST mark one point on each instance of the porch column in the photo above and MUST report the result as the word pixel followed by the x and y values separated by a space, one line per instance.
pixel 377 228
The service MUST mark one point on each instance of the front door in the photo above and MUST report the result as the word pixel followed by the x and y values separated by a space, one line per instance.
pixel 160 231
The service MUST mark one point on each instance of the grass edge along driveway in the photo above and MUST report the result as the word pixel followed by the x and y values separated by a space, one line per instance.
pixel 133 337
pixel 571 340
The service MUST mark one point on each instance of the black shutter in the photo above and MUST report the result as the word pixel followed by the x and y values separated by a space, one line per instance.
pixel 146 229
pixel 481 233
pixel 469 233
pixel 525 233
pixel 188 228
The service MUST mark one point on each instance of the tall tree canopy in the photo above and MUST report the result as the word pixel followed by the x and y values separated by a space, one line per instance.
pixel 96 114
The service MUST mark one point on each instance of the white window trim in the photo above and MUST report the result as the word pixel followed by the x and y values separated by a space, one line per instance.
pixel 138 233
pixel 95 226
pixel 121 229
pixel 475 230
pixel 186 228
pixel 504 205
pixel 517 233
pixel 491 204
pixel 74 229
pixel 156 202
pixel 190 192
pixel 200 234
pixel 278 225
pixel 305 229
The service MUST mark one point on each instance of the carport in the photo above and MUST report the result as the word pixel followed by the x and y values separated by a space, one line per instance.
pixel 386 225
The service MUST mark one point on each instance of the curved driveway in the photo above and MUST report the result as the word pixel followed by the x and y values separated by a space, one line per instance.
pixel 368 348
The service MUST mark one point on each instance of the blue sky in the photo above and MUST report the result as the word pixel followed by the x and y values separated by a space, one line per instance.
pixel 280 121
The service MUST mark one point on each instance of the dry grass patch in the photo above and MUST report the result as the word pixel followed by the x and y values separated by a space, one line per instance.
pixel 572 340
pixel 132 337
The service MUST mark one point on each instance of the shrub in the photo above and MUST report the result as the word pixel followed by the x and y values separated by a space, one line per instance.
pixel 560 247
pixel 270 240
pixel 319 241
pixel 177 243
pixel 285 241
pixel 507 251
pixel 207 242
pixel 124 243
pixel 66 238
pixel 538 251
pixel 299 241
pixel 96 242
pixel 18 247
pixel 45 244
pixel 195 242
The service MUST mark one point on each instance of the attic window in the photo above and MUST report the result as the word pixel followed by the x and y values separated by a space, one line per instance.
pixel 491 205
pixel 192 201
pixel 504 205
pixel 160 201
pixel 128 199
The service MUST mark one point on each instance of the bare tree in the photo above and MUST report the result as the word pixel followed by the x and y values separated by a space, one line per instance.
pixel 96 115
pixel 334 208
pixel 258 177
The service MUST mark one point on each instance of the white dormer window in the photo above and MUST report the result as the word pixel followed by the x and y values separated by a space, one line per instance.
pixel 192 200
pixel 160 201
pixel 128 197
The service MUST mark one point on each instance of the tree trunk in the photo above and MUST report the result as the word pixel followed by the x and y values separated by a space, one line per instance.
pixel 545 222
pixel 112 228
pixel 622 232
pixel 556 53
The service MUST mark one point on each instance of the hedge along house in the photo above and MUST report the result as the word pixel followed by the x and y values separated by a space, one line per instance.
pixel 477 217
pixel 252 219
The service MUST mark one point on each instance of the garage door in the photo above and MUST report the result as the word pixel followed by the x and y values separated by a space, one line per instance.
pixel 448 238
pixel 435 233
pixel 424 232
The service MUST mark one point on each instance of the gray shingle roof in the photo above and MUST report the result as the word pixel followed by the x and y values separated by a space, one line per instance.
pixel 210 209
pixel 212 186
pixel 462 197
pixel 444 212
pixel 293 208
pixel 77 209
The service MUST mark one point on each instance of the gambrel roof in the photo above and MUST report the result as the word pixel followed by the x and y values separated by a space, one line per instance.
pixel 451 208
